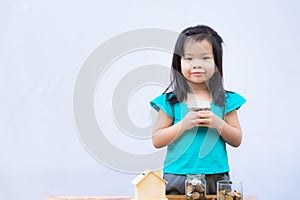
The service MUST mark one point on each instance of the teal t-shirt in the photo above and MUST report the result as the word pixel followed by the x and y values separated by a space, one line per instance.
pixel 199 150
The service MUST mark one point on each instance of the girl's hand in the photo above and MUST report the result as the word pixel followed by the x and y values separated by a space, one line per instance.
pixel 202 119
pixel 190 120
pixel 210 120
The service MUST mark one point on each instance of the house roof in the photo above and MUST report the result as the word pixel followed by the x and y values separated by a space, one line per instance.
pixel 145 174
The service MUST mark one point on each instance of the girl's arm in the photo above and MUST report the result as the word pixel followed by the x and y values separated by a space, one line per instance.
pixel 164 133
pixel 229 129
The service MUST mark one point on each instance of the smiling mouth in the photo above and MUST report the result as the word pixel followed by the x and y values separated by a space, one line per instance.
pixel 198 73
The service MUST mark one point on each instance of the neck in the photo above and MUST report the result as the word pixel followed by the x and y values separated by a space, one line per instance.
pixel 199 92
pixel 198 88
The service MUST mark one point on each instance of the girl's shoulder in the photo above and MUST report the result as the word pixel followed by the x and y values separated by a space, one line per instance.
pixel 233 101
pixel 164 97
pixel 232 94
pixel 163 102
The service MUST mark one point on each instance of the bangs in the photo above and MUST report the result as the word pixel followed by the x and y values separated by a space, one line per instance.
pixel 195 38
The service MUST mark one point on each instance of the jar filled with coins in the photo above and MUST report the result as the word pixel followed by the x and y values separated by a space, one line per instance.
pixel 195 186
pixel 229 190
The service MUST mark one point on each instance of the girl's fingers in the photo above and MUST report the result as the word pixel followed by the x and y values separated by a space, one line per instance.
pixel 204 114
pixel 201 118
pixel 203 122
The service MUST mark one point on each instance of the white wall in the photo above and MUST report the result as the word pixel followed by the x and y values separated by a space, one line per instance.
pixel 43 45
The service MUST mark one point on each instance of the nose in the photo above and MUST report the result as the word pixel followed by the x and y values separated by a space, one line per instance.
pixel 196 63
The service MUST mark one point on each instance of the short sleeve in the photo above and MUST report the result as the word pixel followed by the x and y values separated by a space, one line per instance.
pixel 161 102
pixel 233 101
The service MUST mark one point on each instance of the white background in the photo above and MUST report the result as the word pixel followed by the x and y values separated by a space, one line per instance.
pixel 43 45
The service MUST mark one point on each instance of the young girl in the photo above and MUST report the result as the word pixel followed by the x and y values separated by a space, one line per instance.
pixel 196 140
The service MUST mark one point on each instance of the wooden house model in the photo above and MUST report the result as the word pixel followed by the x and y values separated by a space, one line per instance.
pixel 149 186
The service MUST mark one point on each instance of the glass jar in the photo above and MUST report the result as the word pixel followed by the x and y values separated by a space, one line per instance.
pixel 228 189
pixel 195 186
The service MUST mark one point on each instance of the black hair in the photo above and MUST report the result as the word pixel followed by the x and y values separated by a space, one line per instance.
pixel 179 83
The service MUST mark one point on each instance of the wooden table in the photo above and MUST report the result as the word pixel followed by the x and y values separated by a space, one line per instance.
pixel 170 197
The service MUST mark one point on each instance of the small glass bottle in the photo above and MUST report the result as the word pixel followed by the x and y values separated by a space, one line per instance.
pixel 195 187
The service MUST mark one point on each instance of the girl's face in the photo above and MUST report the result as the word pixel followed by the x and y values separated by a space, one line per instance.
pixel 197 63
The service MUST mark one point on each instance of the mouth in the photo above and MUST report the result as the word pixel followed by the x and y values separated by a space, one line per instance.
pixel 197 73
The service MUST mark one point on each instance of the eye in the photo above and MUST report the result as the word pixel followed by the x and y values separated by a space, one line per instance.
pixel 188 58
pixel 206 58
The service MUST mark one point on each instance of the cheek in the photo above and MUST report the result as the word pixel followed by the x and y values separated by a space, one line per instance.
pixel 184 67
pixel 210 73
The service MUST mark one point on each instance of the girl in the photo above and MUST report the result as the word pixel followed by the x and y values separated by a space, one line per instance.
pixel 196 141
